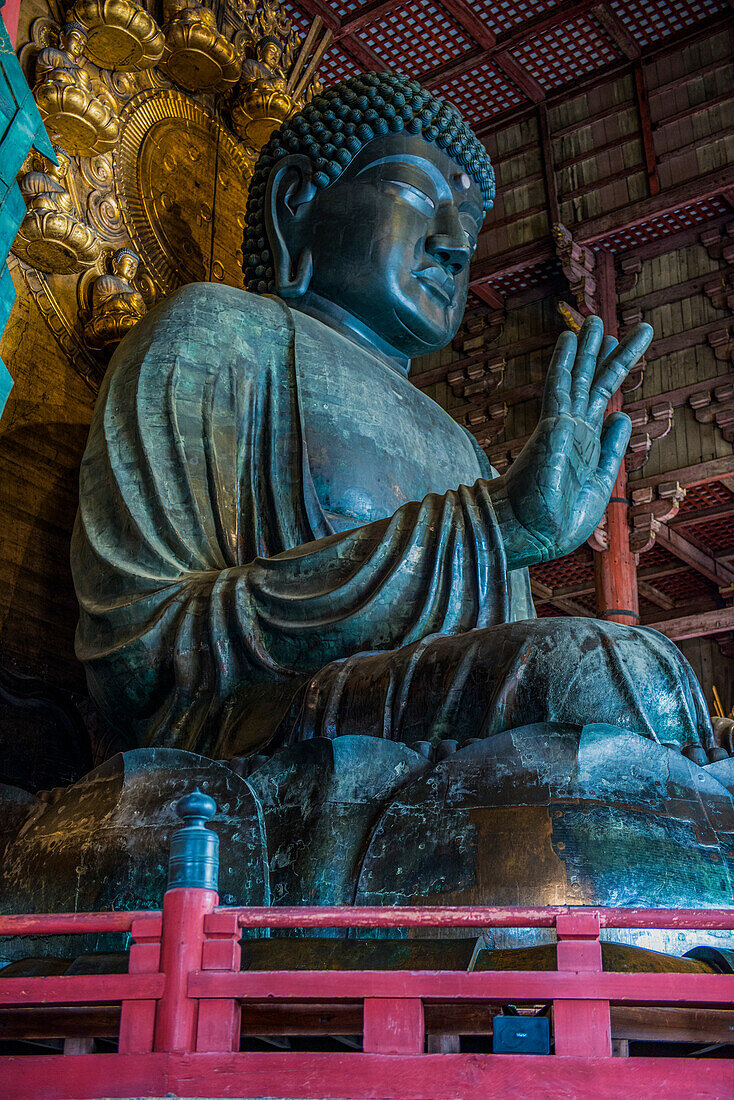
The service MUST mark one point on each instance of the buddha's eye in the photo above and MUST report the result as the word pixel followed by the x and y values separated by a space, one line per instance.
pixel 414 195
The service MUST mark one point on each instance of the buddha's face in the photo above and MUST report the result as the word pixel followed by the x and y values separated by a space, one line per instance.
pixel 75 41
pixel 391 241
pixel 126 266
pixel 269 54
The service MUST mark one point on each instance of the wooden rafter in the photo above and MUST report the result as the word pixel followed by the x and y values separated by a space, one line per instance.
pixel 697 626
pixel 648 143
pixel 358 50
pixel 616 30
pixel 714 571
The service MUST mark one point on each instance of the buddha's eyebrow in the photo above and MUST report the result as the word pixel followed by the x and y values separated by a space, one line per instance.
pixel 430 170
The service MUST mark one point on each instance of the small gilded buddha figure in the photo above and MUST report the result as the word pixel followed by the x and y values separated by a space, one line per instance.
pixel 265 67
pixel 52 237
pixel 82 118
pixel 63 65
pixel 43 187
pixel 116 304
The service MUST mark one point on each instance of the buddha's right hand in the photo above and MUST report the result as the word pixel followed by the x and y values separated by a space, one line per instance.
pixel 554 494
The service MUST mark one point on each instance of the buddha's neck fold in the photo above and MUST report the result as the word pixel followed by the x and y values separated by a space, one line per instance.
pixel 345 323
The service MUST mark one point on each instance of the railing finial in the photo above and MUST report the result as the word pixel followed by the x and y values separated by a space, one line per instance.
pixel 194 858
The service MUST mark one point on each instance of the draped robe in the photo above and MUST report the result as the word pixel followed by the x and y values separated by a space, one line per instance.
pixel 222 608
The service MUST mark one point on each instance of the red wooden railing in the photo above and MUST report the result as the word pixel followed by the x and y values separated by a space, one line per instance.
pixel 179 1031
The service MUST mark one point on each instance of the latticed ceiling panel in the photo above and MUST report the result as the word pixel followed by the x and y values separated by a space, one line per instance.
pixel 696 213
pixel 705 496
pixel 481 93
pixel 337 66
pixel 344 8
pixel 647 21
pixel 575 569
pixel 566 52
pixel 714 535
pixel 505 15
pixel 416 36
pixel 685 587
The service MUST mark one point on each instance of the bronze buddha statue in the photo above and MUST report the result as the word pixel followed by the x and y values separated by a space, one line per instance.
pixel 287 555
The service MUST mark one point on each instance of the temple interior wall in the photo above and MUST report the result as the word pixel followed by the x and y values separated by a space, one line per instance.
pixel 42 438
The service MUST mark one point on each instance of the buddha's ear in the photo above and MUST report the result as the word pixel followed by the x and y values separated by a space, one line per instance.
pixel 290 189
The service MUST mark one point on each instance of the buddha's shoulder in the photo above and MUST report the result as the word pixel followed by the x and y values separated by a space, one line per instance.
pixel 211 305
pixel 199 316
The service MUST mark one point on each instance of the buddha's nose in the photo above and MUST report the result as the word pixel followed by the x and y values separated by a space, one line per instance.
pixel 449 246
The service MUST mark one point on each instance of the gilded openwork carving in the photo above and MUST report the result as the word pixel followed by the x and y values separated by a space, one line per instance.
pixel 158 128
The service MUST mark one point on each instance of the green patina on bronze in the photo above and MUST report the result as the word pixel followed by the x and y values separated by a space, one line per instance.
pixel 283 545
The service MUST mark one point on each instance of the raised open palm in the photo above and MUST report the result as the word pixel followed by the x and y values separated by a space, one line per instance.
pixel 559 485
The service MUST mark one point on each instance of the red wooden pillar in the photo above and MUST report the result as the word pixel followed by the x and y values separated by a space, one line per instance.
pixel 582 1028
pixel 11 15
pixel 184 910
pixel 219 1020
pixel 614 568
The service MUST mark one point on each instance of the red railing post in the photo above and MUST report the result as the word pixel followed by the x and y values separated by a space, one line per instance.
pixel 220 1017
pixel 393 1025
pixel 581 1027
pixel 137 1018
pixel 193 871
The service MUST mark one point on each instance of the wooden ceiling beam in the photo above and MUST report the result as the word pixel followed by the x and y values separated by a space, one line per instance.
pixel 349 43
pixel 697 626
pixel 607 74
pixel 699 473
pixel 697 559
pixel 703 515
pixel 648 144
pixel 543 594
pixel 654 595
pixel 622 218
pixel 366 13
pixel 482 34
pixel 519 76
pixel 616 30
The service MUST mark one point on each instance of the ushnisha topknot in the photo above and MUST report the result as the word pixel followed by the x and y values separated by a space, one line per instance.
pixel 332 129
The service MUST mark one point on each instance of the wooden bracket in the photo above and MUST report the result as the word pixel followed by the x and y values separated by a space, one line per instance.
pixel 652 506
pixel 578 265
pixel 716 406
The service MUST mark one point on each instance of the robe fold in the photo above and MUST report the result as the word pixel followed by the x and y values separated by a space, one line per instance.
pixel 219 607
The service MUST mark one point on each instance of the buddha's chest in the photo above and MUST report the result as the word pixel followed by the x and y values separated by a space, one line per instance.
pixel 374 441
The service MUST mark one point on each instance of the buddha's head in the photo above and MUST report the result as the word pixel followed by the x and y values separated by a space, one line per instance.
pixel 268 51
pixel 366 206
pixel 125 264
pixel 74 39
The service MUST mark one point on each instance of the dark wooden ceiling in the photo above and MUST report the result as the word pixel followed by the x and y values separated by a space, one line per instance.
pixel 615 120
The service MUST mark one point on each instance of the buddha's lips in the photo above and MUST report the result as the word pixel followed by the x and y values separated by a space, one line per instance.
pixel 439 281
